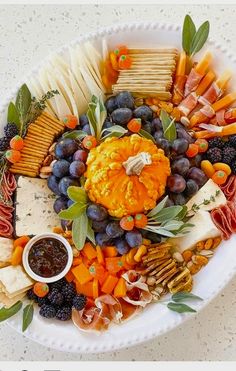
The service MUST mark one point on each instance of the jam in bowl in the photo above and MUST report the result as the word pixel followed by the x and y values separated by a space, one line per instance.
pixel 47 257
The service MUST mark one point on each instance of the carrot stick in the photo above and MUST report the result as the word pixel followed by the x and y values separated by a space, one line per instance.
pixel 180 70
pixel 226 130
pixel 205 83
pixel 224 102
pixel 204 63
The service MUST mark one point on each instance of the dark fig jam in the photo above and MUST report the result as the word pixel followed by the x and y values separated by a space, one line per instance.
pixel 48 257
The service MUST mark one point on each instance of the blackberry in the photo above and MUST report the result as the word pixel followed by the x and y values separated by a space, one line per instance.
pixel 31 296
pixel 228 154
pixel 79 302
pixel 58 284
pixel 43 301
pixel 11 130
pixel 4 143
pixel 55 297
pixel 64 314
pixel 232 140
pixel 233 167
pixel 214 155
pixel 47 311
pixel 69 292
pixel 216 142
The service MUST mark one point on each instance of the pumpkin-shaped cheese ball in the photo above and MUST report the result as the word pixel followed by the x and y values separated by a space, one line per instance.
pixel 127 175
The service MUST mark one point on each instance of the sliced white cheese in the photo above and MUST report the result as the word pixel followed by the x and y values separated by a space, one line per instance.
pixel 14 280
pixel 75 67
pixel 209 189
pixel 6 249
pixel 203 229
pixel 34 212
pixel 105 50
pixel 82 103
pixel 43 81
pixel 94 60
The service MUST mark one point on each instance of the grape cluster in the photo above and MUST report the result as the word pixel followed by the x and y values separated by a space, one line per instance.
pixel 66 172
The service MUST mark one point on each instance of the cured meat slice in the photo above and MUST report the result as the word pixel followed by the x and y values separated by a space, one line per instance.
pixel 137 290
pixel 207 111
pixel 178 89
pixel 7 186
pixel 188 104
pixel 224 218
pixel 229 188
pixel 211 95
pixel 192 82
pixel 220 117
pixel 6 211
pixel 6 228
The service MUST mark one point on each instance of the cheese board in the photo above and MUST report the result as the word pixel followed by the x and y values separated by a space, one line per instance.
pixel 121 146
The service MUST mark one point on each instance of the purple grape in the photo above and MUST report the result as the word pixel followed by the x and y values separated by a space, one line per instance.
pixel 83 120
pixel 60 168
pixel 65 148
pixel 114 230
pixel 191 188
pixel 125 100
pixel 164 144
pixel 121 116
pixel 96 212
pixel 102 239
pixel 197 175
pixel 77 168
pixel 180 145
pixel 181 166
pixel 66 224
pixel 100 226
pixel 121 246
pixel 80 155
pixel 111 104
pixel 53 184
pixel 154 237
pixel 60 204
pixel 178 199
pixel 176 183
pixel 144 113
pixel 133 238
pixel 65 183
pixel 157 124
pixel 183 134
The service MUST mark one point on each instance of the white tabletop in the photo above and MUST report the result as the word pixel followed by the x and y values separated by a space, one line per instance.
pixel 27 34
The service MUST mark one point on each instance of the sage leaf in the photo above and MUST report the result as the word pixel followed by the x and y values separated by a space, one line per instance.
pixel 180 307
pixel 146 135
pixel 182 213
pixel 75 134
pixel 77 194
pixel 73 212
pixel 200 38
pixel 188 33
pixel 23 103
pixel 13 115
pixel 183 295
pixel 158 207
pixel 159 230
pixel 170 133
pixel 90 233
pixel 165 119
pixel 6 313
pixel 172 225
pixel 28 314
pixel 168 213
pixel 79 230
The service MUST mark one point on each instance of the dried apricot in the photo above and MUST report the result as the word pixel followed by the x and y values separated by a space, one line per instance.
pixel 17 142
pixel 134 125
pixel 89 142
pixel 13 155
pixel 41 289
pixel 219 177
pixel 207 168
pixel 222 166
pixel 127 223
pixel 70 121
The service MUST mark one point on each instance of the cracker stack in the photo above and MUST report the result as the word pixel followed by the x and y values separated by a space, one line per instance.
pixel 14 283
pixel 151 73
pixel 39 138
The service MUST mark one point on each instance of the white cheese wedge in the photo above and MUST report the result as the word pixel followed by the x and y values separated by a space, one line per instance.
pixel 34 212
pixel 203 229
pixel 75 67
pixel 6 249
pixel 209 189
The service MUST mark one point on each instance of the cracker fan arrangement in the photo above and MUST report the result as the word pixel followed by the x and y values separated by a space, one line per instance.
pixel 117 182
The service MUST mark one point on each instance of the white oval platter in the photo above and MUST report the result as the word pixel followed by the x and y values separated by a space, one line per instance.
pixel 156 319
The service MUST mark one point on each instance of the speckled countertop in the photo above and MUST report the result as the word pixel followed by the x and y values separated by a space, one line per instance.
pixel 27 34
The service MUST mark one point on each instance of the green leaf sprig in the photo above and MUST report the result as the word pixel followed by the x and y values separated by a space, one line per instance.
pixel 28 314
pixel 193 40
pixel 81 226
pixel 6 313
pixel 168 221
pixel 168 125
pixel 207 201
pixel 177 304
pixel 27 108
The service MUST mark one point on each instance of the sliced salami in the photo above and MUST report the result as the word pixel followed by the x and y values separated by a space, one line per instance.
pixel 229 188
pixel 6 211
pixel 224 217
pixel 6 228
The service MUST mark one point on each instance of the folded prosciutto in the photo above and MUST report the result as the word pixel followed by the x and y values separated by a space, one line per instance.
pixel 178 89
pixel 192 82
pixel 137 290
pixel 211 95
pixel 188 104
